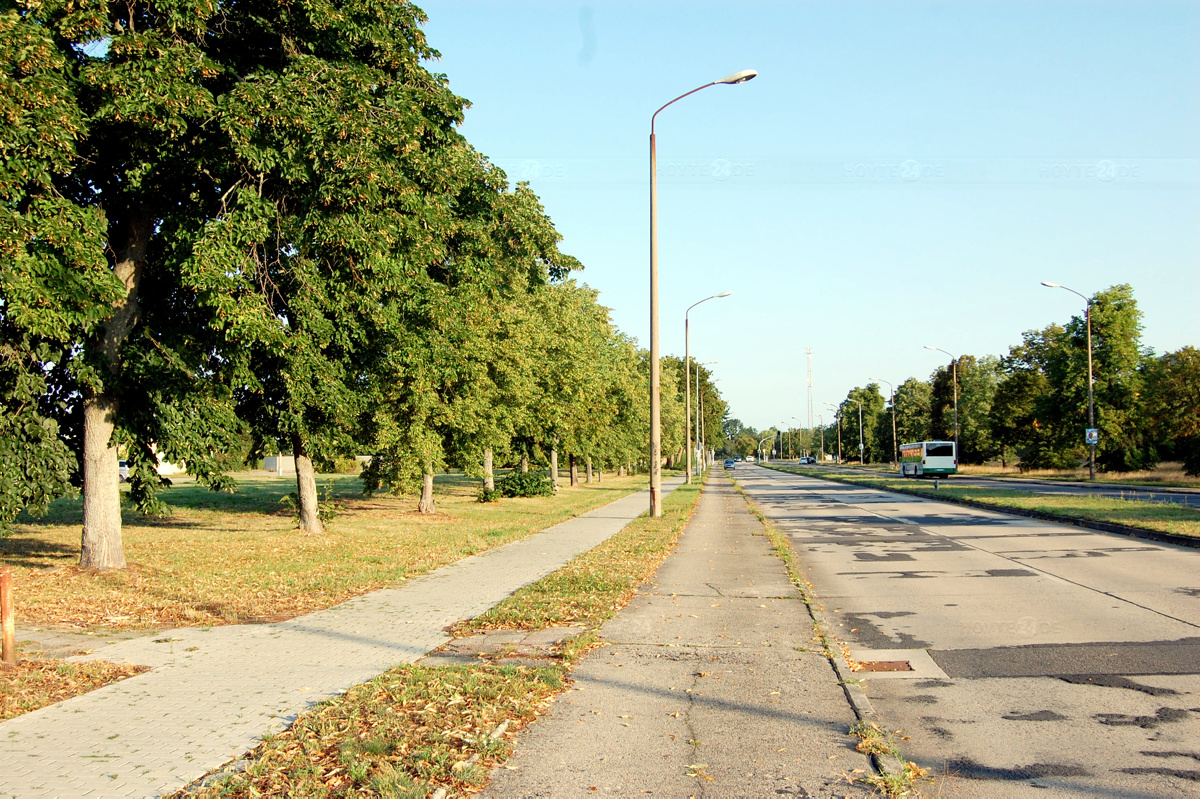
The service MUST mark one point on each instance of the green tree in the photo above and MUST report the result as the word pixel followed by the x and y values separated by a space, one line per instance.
pixel 1172 405
pixel 1117 361
pixel 872 408
pixel 977 382
pixel 95 216
pixel 913 404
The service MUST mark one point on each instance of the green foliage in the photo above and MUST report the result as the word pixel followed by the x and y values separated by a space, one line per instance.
pixel 327 505
pixel 1172 405
pixel 524 484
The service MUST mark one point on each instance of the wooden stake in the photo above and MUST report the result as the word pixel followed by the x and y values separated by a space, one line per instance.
pixel 7 620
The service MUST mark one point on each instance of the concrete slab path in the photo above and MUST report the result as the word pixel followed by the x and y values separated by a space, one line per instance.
pixel 710 685
pixel 212 693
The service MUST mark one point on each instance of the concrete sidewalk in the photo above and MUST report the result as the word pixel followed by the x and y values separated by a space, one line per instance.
pixel 706 688
pixel 213 693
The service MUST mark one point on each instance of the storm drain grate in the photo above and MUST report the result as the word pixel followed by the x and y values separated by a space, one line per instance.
pixel 883 665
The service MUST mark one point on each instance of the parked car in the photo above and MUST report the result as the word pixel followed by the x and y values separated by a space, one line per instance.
pixel 806 460
pixel 729 463
pixel 122 471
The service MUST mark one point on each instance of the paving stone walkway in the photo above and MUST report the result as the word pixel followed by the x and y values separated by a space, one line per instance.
pixel 211 694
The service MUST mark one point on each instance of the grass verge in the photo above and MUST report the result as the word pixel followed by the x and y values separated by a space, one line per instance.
pixel 598 583
pixel 1161 517
pixel 417 729
pixel 33 684
pixel 1166 475
pixel 236 558
pixel 895 777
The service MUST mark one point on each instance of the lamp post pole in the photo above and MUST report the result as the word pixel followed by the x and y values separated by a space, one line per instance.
pixel 1091 396
pixel 699 434
pixel 655 371
pixel 895 441
pixel 837 412
pixel 954 365
pixel 687 383
pixel 704 424
pixel 821 420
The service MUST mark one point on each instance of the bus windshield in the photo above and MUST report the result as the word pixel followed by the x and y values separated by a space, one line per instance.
pixel 939 450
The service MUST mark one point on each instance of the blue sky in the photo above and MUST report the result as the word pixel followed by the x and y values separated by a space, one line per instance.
pixel 899 174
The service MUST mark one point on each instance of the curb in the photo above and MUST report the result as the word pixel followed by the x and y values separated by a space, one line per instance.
pixel 1026 480
pixel 857 698
pixel 1104 527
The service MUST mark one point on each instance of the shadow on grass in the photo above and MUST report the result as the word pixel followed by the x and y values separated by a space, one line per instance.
pixel 19 549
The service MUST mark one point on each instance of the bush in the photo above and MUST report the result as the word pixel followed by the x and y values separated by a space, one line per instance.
pixel 488 494
pixel 527 484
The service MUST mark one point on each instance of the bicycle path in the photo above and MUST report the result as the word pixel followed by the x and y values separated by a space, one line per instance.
pixel 211 694
pixel 710 685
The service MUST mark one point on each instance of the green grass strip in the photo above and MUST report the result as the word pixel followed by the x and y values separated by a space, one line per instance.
pixel 595 585
pixel 1160 517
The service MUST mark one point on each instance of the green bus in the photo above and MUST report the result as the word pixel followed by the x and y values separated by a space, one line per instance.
pixel 928 458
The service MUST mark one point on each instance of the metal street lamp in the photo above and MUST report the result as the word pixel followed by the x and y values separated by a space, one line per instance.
pixel 954 364
pixel 702 439
pixel 837 412
pixel 821 419
pixel 760 443
pixel 687 382
pixel 1090 436
pixel 895 441
pixel 792 452
pixel 655 371
pixel 698 435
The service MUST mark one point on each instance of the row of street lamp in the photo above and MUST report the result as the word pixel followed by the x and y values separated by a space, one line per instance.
pixel 1091 437
pixel 655 372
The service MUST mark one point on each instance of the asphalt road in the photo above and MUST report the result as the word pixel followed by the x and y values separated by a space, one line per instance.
pixel 1143 493
pixel 1045 660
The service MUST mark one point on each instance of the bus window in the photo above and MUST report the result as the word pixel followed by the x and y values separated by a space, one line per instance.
pixel 939 450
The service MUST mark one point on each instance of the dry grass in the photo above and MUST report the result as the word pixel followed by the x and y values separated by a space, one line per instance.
pixel 224 559
pixel 398 735
pixel 1166 474
pixel 33 684
pixel 417 728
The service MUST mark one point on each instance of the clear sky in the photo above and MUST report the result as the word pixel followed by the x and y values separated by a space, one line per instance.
pixel 899 174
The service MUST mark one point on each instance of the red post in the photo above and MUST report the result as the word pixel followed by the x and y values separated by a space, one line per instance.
pixel 7 620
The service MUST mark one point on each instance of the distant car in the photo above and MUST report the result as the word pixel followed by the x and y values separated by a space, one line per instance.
pixel 807 459
pixel 729 463
pixel 749 459
pixel 123 471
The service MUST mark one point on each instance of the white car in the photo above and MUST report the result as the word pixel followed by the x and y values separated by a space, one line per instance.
pixel 123 471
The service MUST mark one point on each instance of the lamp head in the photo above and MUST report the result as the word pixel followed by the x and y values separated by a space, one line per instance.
pixel 738 77
pixel 724 294
pixel 930 347
pixel 1048 284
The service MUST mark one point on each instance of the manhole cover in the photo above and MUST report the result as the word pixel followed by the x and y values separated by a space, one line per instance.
pixel 883 665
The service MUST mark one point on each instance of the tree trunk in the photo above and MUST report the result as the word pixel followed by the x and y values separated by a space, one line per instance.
pixel 525 463
pixel 574 470
pixel 101 545
pixel 306 489
pixel 427 505
pixel 589 468
pixel 489 475
pixel 554 466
